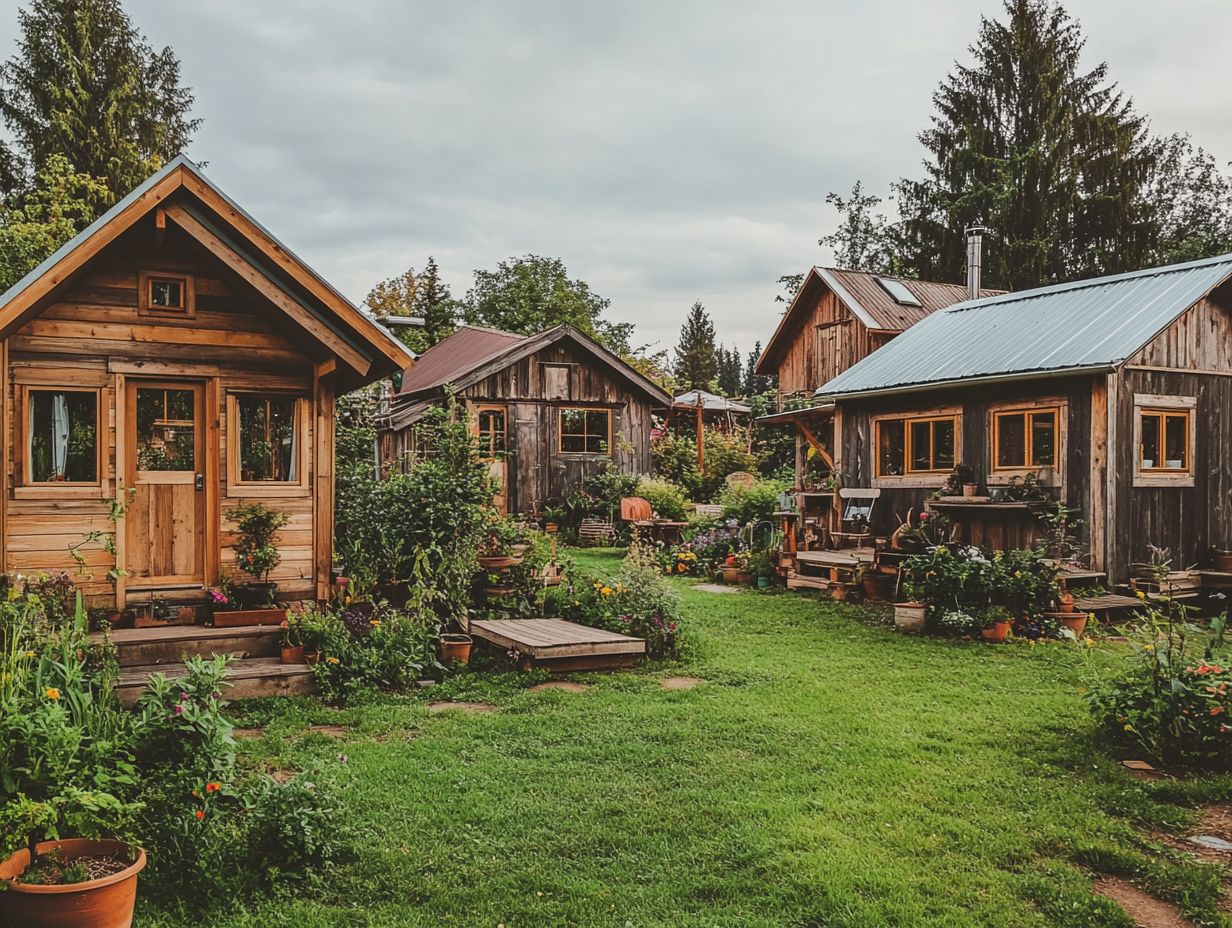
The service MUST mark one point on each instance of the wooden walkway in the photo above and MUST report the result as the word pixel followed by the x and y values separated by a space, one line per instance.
pixel 554 644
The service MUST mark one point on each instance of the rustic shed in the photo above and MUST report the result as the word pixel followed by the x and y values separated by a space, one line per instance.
pixel 1117 391
pixel 174 359
pixel 549 409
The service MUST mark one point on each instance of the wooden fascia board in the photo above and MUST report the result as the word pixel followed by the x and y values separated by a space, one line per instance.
pixel 767 363
pixel 24 305
pixel 257 279
pixel 299 272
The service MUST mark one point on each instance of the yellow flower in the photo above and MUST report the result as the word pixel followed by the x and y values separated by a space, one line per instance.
pixel 375 623
pixel 606 591
pixel 1148 647
pixel 331 660
pixel 52 693
pixel 29 654
pixel 1141 595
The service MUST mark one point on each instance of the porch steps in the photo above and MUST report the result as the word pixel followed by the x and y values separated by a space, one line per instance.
pixel 250 678
pixel 254 671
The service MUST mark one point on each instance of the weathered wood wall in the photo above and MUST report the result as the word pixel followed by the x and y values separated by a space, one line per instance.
pixel 92 335
pixel 826 340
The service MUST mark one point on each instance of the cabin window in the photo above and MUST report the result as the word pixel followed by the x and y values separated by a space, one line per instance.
pixel 585 431
pixel 919 445
pixel 1025 439
pixel 492 432
pixel 61 436
pixel 266 432
pixel 1163 432
pixel 165 295
pixel 166 429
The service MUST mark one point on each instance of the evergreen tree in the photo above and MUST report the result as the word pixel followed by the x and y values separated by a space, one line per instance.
pixel 84 84
pixel 696 355
pixel 424 296
pixel 434 305
pixel 729 371
pixel 1051 157
pixel 529 294
pixel 755 383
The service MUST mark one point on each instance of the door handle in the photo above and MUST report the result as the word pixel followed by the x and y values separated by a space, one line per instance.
pixel 199 482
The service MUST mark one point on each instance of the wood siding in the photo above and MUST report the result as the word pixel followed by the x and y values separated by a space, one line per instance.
pixel 827 341
pixel 93 334
pixel 534 389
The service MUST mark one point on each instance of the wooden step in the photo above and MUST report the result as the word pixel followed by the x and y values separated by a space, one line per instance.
pixel 171 645
pixel 249 678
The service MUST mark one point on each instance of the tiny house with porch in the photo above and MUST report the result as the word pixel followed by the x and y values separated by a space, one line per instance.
pixel 1114 394
pixel 173 361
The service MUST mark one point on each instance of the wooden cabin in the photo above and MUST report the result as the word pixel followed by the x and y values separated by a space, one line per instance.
pixel 549 409
pixel 1115 391
pixel 174 360
pixel 837 318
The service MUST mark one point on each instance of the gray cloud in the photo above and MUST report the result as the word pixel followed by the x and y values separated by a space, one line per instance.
pixel 668 151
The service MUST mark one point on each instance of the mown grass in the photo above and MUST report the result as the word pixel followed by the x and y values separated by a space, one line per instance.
pixel 829 772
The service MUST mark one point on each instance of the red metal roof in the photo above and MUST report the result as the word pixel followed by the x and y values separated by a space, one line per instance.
pixel 886 311
pixel 456 355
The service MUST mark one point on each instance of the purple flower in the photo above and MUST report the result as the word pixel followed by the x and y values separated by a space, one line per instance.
pixel 178 710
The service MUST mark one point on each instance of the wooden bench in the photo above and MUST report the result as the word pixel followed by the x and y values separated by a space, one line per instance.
pixel 819 570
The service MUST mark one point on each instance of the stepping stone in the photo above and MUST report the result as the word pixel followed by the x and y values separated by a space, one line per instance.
pixel 1145 911
pixel 242 733
pixel 716 588
pixel 330 731
pixel 680 683
pixel 447 705
pixel 1211 842
pixel 567 685
pixel 282 776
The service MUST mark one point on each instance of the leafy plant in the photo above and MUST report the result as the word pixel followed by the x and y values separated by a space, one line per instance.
pixel 256 553
pixel 665 498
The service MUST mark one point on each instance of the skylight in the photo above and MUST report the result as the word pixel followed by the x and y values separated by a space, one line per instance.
pixel 898 290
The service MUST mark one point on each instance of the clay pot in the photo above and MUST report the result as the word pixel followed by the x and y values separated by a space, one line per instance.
pixel 997 632
pixel 1222 561
pixel 743 576
pixel 970 489
pixel 102 903
pixel 731 574
pixel 293 655
pixel 1076 622
pixel 909 617
pixel 498 561
pixel 1066 601
pixel 456 649
pixel 551 528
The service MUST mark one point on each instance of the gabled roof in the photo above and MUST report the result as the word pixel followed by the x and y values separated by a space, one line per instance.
pixel 472 353
pixel 193 201
pixel 866 299
pixel 1087 325
pixel 710 402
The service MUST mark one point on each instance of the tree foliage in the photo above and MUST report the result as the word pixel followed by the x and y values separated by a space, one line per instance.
pixel 423 295
pixel 696 360
pixel 730 372
pixel 85 85
pixel 862 240
pixel 1190 197
pixel 529 294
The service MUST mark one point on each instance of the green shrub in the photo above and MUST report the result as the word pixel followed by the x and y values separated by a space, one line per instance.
pixel 675 459
pixel 1173 702
pixel 665 498
pixel 373 646
pixel 750 505
pixel 297 830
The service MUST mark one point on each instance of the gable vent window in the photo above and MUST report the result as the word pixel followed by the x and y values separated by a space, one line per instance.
pixel 166 295
pixel 899 292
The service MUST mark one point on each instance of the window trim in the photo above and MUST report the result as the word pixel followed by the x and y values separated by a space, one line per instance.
pixel 267 488
pixel 1146 404
pixel 487 454
pixel 145 308
pixel 560 431
pixel 918 478
pixel 1000 476
pixel 26 487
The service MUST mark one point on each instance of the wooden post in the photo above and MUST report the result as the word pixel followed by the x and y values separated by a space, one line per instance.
pixel 6 420
pixel 120 392
pixel 1097 511
pixel 701 436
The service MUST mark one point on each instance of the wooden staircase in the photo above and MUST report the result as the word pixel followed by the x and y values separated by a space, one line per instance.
pixel 254 671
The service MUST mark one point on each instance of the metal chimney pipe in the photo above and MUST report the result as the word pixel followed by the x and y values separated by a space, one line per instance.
pixel 975 260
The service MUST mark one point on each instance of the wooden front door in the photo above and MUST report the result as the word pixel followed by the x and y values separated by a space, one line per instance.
pixel 492 430
pixel 165 451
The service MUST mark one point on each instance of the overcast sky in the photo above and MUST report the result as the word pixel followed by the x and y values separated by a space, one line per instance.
pixel 668 151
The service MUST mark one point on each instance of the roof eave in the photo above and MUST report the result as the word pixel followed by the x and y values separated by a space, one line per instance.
pixel 985 379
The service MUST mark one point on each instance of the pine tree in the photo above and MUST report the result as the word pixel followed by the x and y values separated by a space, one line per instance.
pixel 1051 157
pixel 432 303
pixel 755 383
pixel 729 371
pixel 696 356
pixel 84 84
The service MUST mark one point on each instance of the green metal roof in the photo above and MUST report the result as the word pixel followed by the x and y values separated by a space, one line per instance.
pixel 1087 325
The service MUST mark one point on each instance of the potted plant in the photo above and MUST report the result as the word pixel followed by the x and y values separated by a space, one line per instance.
pixel 995 623
pixel 553 518
pixel 256 554
pixel 1221 560
pixel 909 616
pixel 292 640
pixel 731 569
pixel 72 882
pixel 761 567
pixel 455 648
pixel 1065 601
pixel 1076 622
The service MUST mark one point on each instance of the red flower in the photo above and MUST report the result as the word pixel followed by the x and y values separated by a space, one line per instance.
pixel 213 787
pixel 200 814
pixel 1217 710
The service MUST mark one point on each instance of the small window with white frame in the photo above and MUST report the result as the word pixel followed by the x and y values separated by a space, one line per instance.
pixel 1164 440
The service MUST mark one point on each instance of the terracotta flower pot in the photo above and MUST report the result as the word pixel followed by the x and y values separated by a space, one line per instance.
pixel 997 632
pixel 1222 561
pixel 731 574
pixel 293 655
pixel 969 489
pixel 909 617
pixel 456 649
pixel 102 903
pixel 743 576
pixel 1066 601
pixel 1076 622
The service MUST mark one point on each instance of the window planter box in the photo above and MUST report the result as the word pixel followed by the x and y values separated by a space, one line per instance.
pixel 273 616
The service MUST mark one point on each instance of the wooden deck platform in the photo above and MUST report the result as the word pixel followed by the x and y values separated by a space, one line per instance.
pixel 1112 602
pixel 248 679
pixel 557 645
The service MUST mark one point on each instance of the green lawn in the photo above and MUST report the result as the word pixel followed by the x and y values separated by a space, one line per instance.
pixel 828 772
